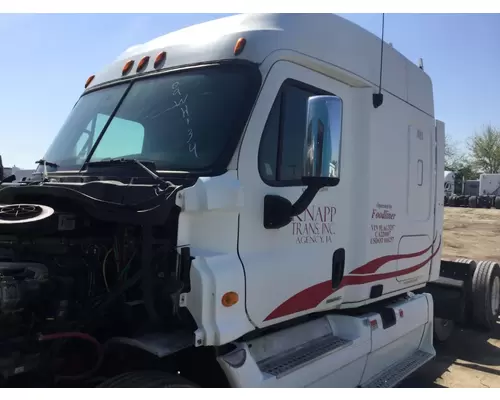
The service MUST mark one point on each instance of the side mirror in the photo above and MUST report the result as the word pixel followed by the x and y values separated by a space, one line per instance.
pixel 321 161
pixel 322 141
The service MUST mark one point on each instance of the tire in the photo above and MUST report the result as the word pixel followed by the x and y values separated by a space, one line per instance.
pixel 443 329
pixel 147 379
pixel 451 201
pixel 486 294
pixel 497 202
pixel 473 202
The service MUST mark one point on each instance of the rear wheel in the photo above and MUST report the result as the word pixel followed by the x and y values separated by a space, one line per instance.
pixel 147 379
pixel 486 294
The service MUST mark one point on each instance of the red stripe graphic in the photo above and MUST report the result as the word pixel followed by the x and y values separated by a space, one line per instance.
pixel 373 266
pixel 311 297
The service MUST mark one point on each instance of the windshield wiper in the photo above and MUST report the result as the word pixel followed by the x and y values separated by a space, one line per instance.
pixel 45 162
pixel 125 161
pixel 105 128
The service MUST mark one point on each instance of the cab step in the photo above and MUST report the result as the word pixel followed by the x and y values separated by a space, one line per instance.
pixel 393 375
pixel 284 363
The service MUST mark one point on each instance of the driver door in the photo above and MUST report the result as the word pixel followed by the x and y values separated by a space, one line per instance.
pixel 289 271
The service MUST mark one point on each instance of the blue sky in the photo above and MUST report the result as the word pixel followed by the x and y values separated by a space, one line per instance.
pixel 47 58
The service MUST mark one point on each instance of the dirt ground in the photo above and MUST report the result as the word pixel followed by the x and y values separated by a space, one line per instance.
pixel 469 359
pixel 471 233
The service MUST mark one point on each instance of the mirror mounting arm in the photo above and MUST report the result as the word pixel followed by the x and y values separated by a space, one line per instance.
pixel 278 211
pixel 314 185
pixel 304 200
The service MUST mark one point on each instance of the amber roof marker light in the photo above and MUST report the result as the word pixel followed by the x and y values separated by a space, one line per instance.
pixel 142 64
pixel 239 46
pixel 127 67
pixel 160 59
pixel 89 80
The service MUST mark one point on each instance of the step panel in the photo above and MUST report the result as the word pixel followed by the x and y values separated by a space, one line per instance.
pixel 393 375
pixel 291 360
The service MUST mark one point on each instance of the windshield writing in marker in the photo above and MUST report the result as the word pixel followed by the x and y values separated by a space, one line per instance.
pixel 183 105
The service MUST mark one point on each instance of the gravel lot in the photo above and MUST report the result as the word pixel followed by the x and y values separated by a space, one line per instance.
pixel 469 359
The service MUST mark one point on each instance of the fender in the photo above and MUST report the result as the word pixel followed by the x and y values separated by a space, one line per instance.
pixel 159 344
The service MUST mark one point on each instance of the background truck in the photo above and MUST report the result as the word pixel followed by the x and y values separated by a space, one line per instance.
pixel 489 184
pixel 20 174
pixel 240 203
pixel 481 193
pixel 449 183
pixel 471 187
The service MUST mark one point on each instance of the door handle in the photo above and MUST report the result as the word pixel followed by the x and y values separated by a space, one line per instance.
pixel 338 264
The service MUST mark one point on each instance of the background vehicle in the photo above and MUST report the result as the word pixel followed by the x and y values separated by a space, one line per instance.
pixel 449 183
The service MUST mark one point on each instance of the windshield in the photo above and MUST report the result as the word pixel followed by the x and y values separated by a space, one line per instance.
pixel 183 121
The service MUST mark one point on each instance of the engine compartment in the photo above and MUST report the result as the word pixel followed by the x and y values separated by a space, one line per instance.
pixel 81 265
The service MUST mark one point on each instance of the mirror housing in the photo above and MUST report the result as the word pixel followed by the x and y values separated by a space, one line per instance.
pixel 322 141
pixel 321 160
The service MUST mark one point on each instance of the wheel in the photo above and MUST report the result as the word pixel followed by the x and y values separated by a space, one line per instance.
pixel 443 328
pixel 497 202
pixel 486 294
pixel 147 379
pixel 445 201
pixel 473 202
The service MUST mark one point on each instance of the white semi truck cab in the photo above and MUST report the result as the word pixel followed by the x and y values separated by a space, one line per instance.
pixel 449 183
pixel 241 203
